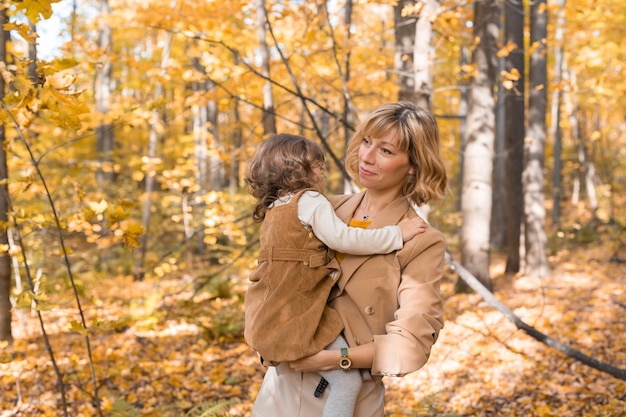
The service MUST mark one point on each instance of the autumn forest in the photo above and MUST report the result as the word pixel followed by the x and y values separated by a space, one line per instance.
pixel 127 235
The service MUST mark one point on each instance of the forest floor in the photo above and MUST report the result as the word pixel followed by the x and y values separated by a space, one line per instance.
pixel 155 355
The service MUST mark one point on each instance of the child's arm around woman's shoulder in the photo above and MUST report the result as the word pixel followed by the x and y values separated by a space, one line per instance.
pixel 316 212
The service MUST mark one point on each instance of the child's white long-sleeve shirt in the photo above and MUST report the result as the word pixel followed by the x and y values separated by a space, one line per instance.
pixel 316 212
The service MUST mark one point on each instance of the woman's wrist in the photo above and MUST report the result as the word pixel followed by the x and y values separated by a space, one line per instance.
pixel 330 360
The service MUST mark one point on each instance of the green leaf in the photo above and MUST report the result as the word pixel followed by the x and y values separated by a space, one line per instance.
pixel 122 408
pixel 77 327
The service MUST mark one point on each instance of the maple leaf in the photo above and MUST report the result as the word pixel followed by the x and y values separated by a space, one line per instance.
pixel 116 214
pixel 132 233
pixel 66 108
pixel 77 327
pixel 23 30
pixel 35 10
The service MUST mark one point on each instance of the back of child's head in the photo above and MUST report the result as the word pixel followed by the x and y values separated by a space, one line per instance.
pixel 281 165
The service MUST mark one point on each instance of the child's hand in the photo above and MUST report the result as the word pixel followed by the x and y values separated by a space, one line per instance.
pixel 412 227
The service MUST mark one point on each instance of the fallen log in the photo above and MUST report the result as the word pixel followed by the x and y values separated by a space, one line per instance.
pixel 491 300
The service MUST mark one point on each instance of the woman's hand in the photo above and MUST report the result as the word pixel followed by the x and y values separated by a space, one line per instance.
pixel 321 361
pixel 362 357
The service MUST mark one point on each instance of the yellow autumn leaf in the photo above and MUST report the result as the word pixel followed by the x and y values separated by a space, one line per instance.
pixel 35 10
pixel 60 80
pixel 116 214
pixel 132 233
pixel 6 74
pixel 506 49
pixel 65 108
pixel 77 327
pixel 512 75
pixel 23 30
pixel 24 300
pixel 98 207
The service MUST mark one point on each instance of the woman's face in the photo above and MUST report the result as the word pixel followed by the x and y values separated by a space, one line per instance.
pixel 382 166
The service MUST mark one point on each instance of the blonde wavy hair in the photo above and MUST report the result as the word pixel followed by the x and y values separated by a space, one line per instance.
pixel 417 133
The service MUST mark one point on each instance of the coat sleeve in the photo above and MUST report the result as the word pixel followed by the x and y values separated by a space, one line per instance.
pixel 419 317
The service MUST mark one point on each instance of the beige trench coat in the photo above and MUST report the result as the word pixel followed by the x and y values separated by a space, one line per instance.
pixel 392 300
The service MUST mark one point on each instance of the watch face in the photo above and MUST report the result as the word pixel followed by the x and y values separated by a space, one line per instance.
pixel 345 363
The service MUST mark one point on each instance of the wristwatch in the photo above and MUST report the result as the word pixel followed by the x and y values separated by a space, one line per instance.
pixel 344 362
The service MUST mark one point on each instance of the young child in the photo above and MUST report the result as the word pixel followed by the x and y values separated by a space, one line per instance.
pixel 286 316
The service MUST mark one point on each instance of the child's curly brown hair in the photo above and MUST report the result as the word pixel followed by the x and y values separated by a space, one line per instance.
pixel 281 165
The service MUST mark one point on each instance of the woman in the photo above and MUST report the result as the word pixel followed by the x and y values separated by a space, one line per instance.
pixel 287 316
pixel 389 304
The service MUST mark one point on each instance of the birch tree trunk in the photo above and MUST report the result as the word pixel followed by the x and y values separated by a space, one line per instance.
pixel 6 333
pixel 156 126
pixel 586 167
pixel 413 54
pixel 589 173
pixel 413 50
pixel 422 54
pixel 478 164
pixel 515 131
pixel 269 119
pixel 536 241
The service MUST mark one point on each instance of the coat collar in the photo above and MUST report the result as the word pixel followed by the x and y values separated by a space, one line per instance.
pixel 392 214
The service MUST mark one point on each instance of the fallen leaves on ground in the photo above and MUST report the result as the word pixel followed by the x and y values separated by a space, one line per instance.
pixel 161 358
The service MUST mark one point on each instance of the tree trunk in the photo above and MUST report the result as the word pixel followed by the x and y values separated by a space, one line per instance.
pixel 32 56
pixel 237 152
pixel 269 120
pixel 498 211
pixel 462 125
pixel 102 95
pixel 422 54
pixel 155 126
pixel 492 301
pixel 589 172
pixel 200 143
pixel 217 173
pixel 413 50
pixel 555 128
pixel 201 124
pixel 404 31
pixel 515 131
pixel 586 167
pixel 478 164
pixel 5 259
pixel 348 110
pixel 536 241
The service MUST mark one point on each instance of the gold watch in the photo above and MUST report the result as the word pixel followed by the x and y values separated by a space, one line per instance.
pixel 344 362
